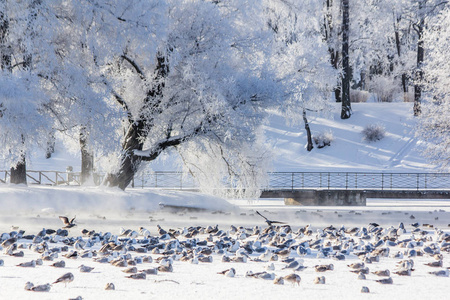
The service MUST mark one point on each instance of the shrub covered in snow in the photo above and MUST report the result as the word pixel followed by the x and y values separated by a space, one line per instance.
pixel 373 132
pixel 323 139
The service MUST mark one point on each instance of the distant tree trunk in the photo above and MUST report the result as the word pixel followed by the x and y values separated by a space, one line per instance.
pixel 399 52
pixel 346 111
pixel 50 145
pixel 419 27
pixel 328 36
pixel 310 145
pixel 19 172
pixel 87 158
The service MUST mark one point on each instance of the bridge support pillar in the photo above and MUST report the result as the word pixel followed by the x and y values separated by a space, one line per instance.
pixel 327 198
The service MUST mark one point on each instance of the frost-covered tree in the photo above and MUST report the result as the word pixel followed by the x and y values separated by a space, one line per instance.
pixel 434 121
pixel 75 81
pixel 306 75
pixel 22 45
pixel 187 75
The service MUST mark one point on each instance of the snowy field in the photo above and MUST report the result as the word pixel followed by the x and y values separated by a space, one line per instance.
pixel 114 210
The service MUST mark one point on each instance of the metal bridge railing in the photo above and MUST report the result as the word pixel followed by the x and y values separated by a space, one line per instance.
pixel 275 180
pixel 358 181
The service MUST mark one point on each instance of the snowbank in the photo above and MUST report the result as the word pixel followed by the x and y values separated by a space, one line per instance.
pixel 31 199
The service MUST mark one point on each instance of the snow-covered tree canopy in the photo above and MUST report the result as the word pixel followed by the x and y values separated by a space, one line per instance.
pixel 129 80
pixel 434 122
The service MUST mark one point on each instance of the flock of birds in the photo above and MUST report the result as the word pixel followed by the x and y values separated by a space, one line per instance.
pixel 130 250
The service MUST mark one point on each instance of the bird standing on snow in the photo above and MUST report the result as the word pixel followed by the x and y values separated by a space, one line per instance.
pixel 66 278
pixel 293 278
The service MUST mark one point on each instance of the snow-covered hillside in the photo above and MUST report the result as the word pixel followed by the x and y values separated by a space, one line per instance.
pixel 398 151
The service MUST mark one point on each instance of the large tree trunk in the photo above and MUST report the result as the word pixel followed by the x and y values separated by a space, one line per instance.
pixel 136 134
pixel 346 111
pixel 129 162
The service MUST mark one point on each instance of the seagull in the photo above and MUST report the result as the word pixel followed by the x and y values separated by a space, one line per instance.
pixel 85 269
pixel 382 273
pixel 68 224
pixel 269 222
pixel 319 280
pixel 293 278
pixel 110 286
pixel 137 276
pixel 151 271
pixel 66 278
pixel 29 264
pixel 385 281
pixel 441 273
pixel 41 288
pixel 59 264
pixel 278 280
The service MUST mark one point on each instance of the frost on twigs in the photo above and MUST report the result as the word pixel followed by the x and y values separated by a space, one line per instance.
pixel 323 139
pixel 373 132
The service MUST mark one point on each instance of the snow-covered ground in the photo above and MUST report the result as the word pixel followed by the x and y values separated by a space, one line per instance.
pixel 108 210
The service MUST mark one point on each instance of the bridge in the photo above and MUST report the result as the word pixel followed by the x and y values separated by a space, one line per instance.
pixel 297 188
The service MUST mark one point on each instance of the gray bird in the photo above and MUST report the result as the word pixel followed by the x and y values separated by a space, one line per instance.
pixel 441 273
pixel 41 288
pixel 137 276
pixel 435 264
pixel 130 270
pixel 292 265
pixel 85 269
pixel 365 289
pixel 168 268
pixel 385 281
pixel 68 224
pixel 269 222
pixel 382 273
pixel 29 264
pixel 66 278
pixel 59 264
pixel 323 268
pixel 293 278
pixel 151 271
pixel 403 272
